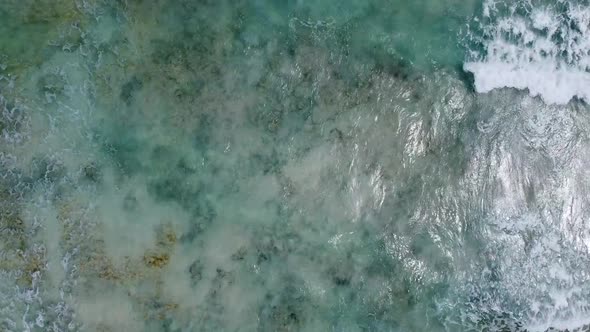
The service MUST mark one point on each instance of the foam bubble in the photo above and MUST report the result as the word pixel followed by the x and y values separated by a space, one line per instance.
pixel 534 47
pixel 554 86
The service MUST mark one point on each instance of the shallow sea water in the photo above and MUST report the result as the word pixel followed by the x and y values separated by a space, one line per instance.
pixel 199 165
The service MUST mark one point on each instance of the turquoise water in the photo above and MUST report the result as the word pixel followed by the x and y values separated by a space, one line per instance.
pixel 199 165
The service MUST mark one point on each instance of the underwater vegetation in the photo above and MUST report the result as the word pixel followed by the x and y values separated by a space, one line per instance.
pixel 280 166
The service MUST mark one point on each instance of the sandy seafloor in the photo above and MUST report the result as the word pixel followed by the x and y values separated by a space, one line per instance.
pixel 260 165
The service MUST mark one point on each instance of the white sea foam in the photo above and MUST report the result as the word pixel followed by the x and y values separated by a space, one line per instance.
pixel 528 45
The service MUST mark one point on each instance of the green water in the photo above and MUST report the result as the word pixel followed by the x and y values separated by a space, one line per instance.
pixel 199 165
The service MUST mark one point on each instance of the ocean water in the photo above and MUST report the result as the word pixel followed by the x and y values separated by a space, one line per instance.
pixel 259 165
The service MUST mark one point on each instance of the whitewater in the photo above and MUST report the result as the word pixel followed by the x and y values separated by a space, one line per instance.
pixel 539 46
